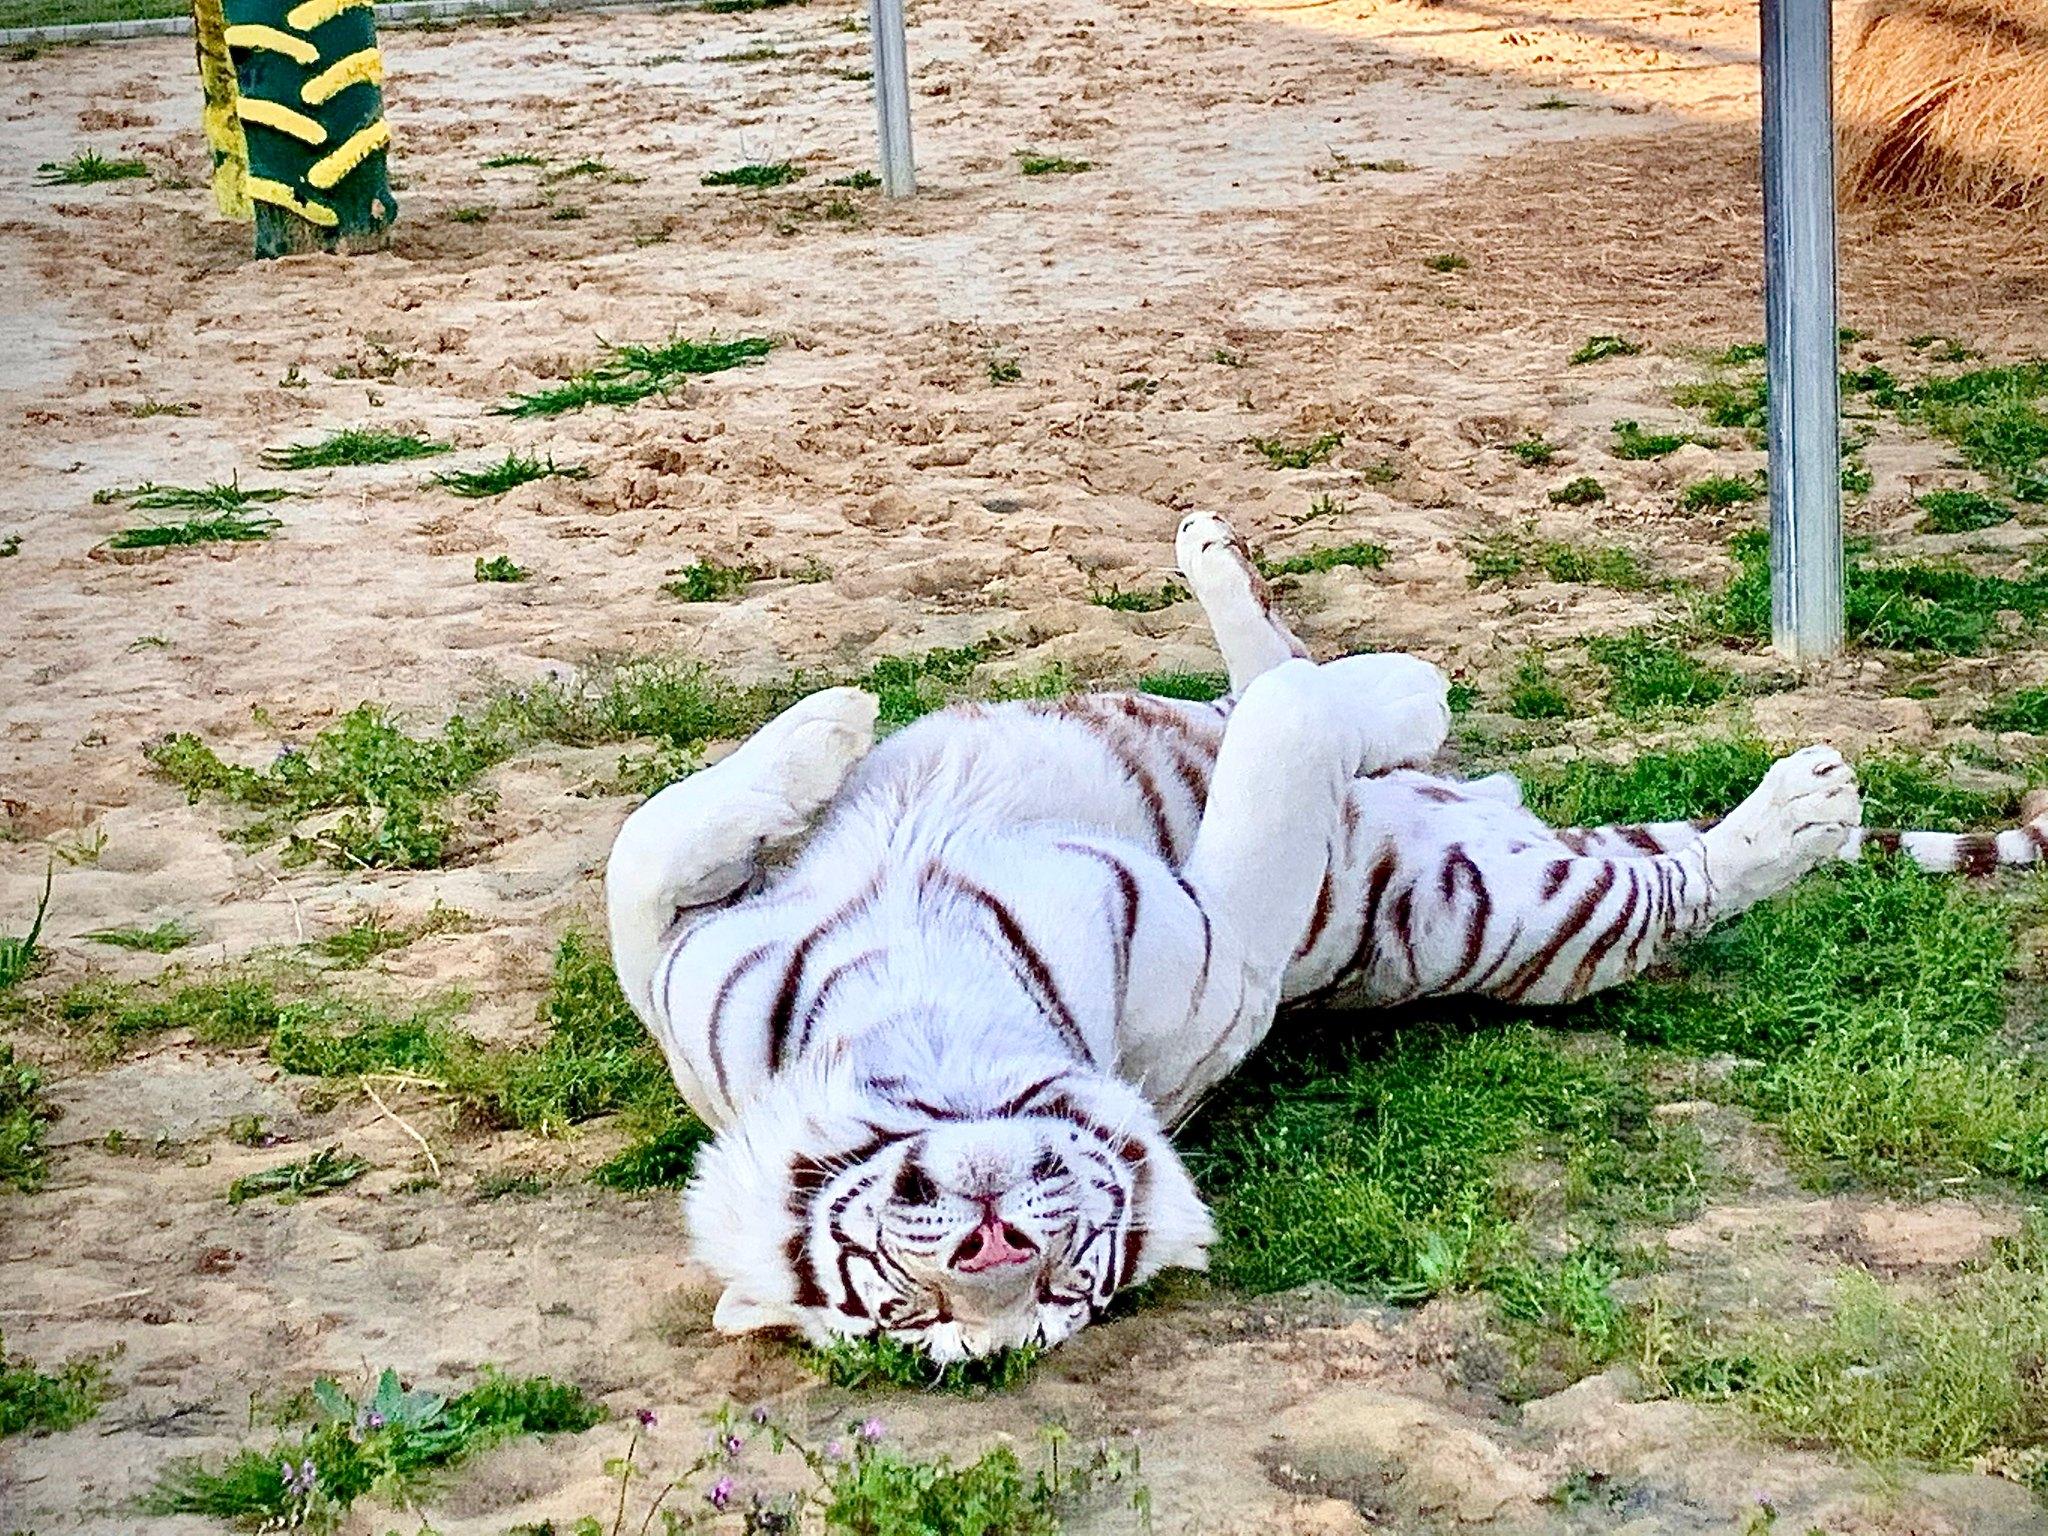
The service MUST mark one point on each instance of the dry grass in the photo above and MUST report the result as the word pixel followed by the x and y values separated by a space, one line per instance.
pixel 1946 101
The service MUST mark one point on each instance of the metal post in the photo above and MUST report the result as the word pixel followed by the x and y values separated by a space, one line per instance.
pixel 1799 328
pixel 892 96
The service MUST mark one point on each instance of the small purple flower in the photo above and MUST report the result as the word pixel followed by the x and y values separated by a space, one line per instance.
pixel 374 1420
pixel 835 1450
pixel 646 1417
pixel 299 1481
pixel 720 1493
pixel 872 1430
pixel 733 1445
pixel 759 1414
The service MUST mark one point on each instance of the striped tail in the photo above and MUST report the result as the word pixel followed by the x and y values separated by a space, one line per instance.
pixel 1965 853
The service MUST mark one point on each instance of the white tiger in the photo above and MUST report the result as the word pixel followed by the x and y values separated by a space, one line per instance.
pixel 941 1049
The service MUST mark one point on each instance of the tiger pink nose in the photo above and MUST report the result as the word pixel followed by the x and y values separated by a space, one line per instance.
pixel 992 1245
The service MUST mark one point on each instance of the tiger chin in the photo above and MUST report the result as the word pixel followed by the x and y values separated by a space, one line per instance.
pixel 1007 1213
pixel 942 1046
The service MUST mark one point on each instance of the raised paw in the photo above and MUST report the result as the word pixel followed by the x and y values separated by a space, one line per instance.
pixel 1401 706
pixel 1797 819
pixel 804 754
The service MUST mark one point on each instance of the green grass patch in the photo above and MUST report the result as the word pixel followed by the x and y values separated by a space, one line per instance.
pixel 226 528
pixel 859 181
pixel 1199 687
pixel 1632 442
pixel 1950 511
pixel 500 568
pixel 709 581
pixel 662 1156
pixel 1362 557
pixel 1139 599
pixel 1533 694
pixel 776 173
pixel 1384 1169
pixel 327 1170
pixel 166 936
pixel 1892 1375
pixel 2024 709
pixel 230 498
pixel 1718 492
pixel 1445 261
pixel 511 472
pixel 1004 369
pixel 1030 163
pixel 1582 491
pixel 374 934
pixel 632 371
pixel 475 214
pixel 388 785
pixel 1533 451
pixel 1597 349
pixel 32 1402
pixel 1908 606
pixel 20 952
pixel 23 1115
pixel 88 168
pixel 502 162
pixel 1511 556
pixel 864 1364
pixel 1742 403
pixel 1282 453
pixel 383 1444
pixel 354 446
pixel 1647 675
pixel 1996 417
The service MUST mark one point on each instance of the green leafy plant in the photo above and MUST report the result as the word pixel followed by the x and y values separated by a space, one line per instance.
pixel 32 1402
pixel 1580 492
pixel 1632 442
pixel 1717 492
pixel 381 1445
pixel 230 498
pixel 1004 369
pixel 514 470
pixel 881 1361
pixel 226 528
pixel 1364 557
pixel 1198 687
pixel 23 1114
pixel 778 173
pixel 1533 451
pixel 1446 261
pixel 328 1169
pixel 1597 349
pixel 166 936
pixel 1139 599
pixel 1283 454
pixel 354 446
pixel 1534 695
pixel 18 954
pixel 1950 511
pixel 87 168
pixel 632 371
pixel 1033 164
pixel 710 581
pixel 500 568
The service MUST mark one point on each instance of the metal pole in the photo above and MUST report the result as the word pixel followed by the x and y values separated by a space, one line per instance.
pixel 1799 328
pixel 892 96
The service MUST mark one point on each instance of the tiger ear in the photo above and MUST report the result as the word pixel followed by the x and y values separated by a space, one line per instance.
pixel 737 1314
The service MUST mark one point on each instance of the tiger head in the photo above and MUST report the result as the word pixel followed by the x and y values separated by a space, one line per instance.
pixel 842 1208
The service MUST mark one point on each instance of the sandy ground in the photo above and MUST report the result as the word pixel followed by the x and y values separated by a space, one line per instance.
pixel 1227 214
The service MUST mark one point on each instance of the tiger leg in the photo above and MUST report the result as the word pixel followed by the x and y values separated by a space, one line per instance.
pixel 1540 929
pixel 1278 798
pixel 1242 615
pixel 695 843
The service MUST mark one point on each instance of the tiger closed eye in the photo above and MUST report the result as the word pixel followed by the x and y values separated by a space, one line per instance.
pixel 914 1186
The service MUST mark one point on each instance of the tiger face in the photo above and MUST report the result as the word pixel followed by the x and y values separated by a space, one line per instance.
pixel 963 1234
